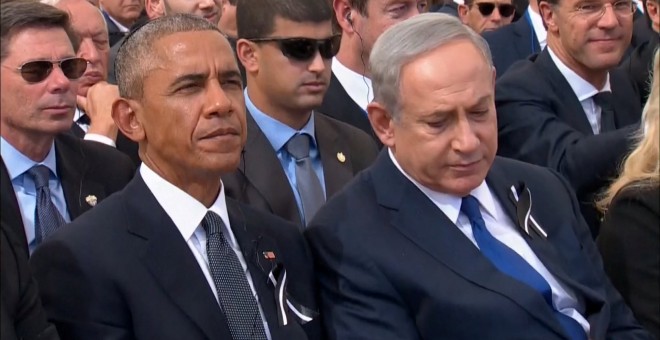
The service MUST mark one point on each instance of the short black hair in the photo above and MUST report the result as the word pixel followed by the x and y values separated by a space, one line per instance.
pixel 256 18
pixel 19 15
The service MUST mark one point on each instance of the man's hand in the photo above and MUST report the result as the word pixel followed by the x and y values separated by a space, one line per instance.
pixel 98 106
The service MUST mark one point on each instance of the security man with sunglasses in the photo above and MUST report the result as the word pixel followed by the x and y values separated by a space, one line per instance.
pixel 565 108
pixel 294 158
pixel 47 178
pixel 484 15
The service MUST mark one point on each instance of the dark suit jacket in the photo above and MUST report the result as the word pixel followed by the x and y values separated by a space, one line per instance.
pixel 396 267
pixel 340 106
pixel 638 67
pixel 21 313
pixel 511 43
pixel 541 121
pixel 114 34
pixel 629 242
pixel 261 182
pixel 128 273
pixel 85 168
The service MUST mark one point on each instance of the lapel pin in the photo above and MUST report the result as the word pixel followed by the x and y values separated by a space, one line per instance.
pixel 340 157
pixel 269 255
pixel 91 200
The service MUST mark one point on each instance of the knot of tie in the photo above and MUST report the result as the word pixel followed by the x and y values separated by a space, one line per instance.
pixel 470 207
pixel 298 146
pixel 212 223
pixel 604 100
pixel 40 174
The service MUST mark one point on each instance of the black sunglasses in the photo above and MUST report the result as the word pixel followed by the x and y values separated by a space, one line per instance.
pixel 38 70
pixel 487 8
pixel 304 49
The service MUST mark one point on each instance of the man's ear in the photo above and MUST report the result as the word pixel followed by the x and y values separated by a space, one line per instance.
pixel 382 123
pixel 126 119
pixel 548 15
pixel 343 14
pixel 463 13
pixel 248 55
pixel 155 8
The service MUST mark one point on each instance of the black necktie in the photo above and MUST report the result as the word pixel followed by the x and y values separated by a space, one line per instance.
pixel 307 182
pixel 234 293
pixel 47 217
pixel 605 101
pixel 510 263
pixel 84 119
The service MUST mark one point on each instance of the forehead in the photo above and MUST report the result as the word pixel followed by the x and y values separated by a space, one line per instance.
pixel 39 44
pixel 284 27
pixel 84 16
pixel 194 51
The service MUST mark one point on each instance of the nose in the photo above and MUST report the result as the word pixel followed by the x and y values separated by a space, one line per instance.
pixel 88 51
pixel 496 16
pixel 465 140
pixel 57 81
pixel 217 101
pixel 609 18
pixel 205 4
pixel 317 65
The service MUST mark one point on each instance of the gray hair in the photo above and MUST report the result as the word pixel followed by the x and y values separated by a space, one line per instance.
pixel 408 40
pixel 136 55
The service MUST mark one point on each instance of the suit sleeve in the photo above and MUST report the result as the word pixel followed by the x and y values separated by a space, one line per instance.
pixel 79 299
pixel 630 244
pixel 357 302
pixel 622 324
pixel 530 131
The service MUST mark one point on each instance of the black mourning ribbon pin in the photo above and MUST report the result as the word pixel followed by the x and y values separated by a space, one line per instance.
pixel 522 198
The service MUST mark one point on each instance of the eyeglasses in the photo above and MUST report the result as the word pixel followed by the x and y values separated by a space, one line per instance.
pixel 595 10
pixel 304 49
pixel 487 8
pixel 38 70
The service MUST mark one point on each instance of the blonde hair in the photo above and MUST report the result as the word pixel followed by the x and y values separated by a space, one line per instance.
pixel 641 168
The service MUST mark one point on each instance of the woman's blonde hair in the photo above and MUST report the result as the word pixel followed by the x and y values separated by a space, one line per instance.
pixel 642 166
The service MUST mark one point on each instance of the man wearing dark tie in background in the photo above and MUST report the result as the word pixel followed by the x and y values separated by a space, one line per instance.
pixel 361 22
pixel 564 108
pixel 48 177
pixel 442 240
pixel 170 257
pixel 295 157
pixel 120 15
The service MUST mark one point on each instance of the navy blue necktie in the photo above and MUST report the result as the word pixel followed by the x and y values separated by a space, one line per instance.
pixel 234 293
pixel 47 217
pixel 513 265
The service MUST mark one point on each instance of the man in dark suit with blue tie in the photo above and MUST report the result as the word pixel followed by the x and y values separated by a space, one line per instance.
pixel 170 256
pixel 563 108
pixel 444 239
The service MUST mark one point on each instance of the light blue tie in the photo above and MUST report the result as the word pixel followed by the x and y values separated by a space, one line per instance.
pixel 513 265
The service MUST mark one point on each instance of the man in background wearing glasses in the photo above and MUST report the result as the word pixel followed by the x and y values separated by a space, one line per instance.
pixel 484 16
pixel 294 157
pixel 564 108
pixel 48 178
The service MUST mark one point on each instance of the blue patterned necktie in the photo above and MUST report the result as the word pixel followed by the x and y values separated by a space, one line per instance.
pixel 510 263
pixel 307 182
pixel 234 293
pixel 47 217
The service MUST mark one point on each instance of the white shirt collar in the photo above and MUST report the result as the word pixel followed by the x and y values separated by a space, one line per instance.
pixel 537 25
pixel 185 211
pixel 582 88
pixel 121 27
pixel 356 85
pixel 450 204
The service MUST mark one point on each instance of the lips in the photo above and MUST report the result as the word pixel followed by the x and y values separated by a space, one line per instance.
pixel 212 18
pixel 223 132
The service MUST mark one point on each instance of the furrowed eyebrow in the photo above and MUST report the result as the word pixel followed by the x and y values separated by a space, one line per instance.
pixel 186 78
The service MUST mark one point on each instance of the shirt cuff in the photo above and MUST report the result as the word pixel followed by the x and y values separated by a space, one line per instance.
pixel 95 137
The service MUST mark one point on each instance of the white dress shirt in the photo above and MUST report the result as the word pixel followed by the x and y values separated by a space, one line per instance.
pixel 503 229
pixel 91 136
pixel 187 214
pixel 356 85
pixel 121 27
pixel 537 25
pixel 584 91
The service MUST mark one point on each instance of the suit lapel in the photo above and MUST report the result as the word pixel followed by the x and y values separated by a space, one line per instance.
pixel 575 115
pixel 331 148
pixel 526 42
pixel 264 172
pixel 418 219
pixel 72 169
pixel 627 110
pixel 11 212
pixel 170 261
pixel 253 244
